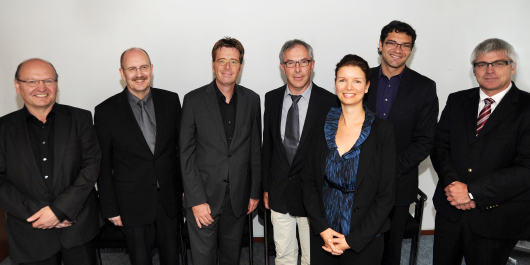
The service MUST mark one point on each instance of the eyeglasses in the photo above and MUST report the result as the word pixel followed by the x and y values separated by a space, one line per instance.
pixel 496 64
pixel 132 70
pixel 34 83
pixel 404 46
pixel 301 63
pixel 223 62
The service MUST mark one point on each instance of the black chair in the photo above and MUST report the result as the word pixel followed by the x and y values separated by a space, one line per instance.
pixel 110 236
pixel 413 228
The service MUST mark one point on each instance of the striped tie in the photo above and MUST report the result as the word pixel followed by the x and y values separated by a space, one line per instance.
pixel 484 114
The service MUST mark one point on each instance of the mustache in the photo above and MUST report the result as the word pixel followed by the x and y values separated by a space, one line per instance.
pixel 143 77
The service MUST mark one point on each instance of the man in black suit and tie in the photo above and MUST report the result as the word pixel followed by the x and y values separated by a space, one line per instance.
pixel 220 155
pixel 408 100
pixel 49 163
pixel 291 113
pixel 139 184
pixel 482 157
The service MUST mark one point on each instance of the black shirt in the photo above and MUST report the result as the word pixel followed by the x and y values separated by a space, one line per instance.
pixel 228 113
pixel 42 137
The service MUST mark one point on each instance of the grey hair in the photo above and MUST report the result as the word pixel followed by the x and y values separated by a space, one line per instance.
pixel 491 45
pixel 291 43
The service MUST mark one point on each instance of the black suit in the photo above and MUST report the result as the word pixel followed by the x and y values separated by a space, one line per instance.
pixel 283 182
pixel 208 160
pixel 374 191
pixel 23 191
pixel 129 170
pixel 495 165
pixel 413 113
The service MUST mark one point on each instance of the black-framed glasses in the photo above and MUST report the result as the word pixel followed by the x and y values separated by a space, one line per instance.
pixel 301 63
pixel 485 65
pixel 143 68
pixel 34 83
pixel 232 62
pixel 404 46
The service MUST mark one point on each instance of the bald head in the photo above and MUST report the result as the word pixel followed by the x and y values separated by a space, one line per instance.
pixel 33 61
pixel 132 49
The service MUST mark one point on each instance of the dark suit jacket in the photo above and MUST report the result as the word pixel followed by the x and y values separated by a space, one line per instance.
pixel 129 170
pixel 414 113
pixel 207 159
pixel 495 165
pixel 374 189
pixel 283 182
pixel 23 192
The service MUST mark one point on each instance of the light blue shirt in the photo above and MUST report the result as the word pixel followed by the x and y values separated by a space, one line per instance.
pixel 303 105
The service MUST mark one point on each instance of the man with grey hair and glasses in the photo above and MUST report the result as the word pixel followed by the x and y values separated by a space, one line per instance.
pixel 292 112
pixel 482 158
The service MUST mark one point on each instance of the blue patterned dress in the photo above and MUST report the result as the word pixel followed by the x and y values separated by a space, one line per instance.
pixel 340 174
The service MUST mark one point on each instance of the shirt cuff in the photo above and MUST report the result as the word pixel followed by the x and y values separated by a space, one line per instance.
pixel 60 215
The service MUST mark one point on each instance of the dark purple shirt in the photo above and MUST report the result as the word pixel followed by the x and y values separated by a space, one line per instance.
pixel 386 93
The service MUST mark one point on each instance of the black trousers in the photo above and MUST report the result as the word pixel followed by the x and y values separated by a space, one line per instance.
pixel 454 241
pixel 220 240
pixel 162 233
pixel 370 255
pixel 81 255
pixel 394 237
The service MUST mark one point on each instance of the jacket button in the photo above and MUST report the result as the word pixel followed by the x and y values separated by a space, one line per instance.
pixel 356 209
pixel 469 170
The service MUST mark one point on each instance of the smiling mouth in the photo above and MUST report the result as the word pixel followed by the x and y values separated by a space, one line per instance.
pixel 41 95
pixel 348 95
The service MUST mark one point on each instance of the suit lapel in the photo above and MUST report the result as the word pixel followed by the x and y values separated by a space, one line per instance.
pixel 371 97
pixel 63 121
pixel 276 120
pixel 505 107
pixel 20 136
pixel 210 100
pixel 127 116
pixel 368 149
pixel 470 115
pixel 160 111
pixel 241 107
pixel 402 93
pixel 312 111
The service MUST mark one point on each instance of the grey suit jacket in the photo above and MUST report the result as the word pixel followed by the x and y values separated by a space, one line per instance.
pixel 206 158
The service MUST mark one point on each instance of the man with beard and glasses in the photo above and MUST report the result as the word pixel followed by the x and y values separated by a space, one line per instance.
pixel 408 100
pixel 139 184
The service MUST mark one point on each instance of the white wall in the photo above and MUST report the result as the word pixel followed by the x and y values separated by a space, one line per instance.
pixel 84 40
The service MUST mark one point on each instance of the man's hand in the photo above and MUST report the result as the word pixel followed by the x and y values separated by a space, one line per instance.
pixel 202 214
pixel 252 204
pixel 266 199
pixel 116 220
pixel 467 206
pixel 44 219
pixel 339 243
pixel 327 235
pixel 457 193
pixel 64 224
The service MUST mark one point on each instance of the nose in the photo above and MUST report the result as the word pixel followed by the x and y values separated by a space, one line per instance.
pixel 297 67
pixel 490 68
pixel 228 65
pixel 398 48
pixel 40 85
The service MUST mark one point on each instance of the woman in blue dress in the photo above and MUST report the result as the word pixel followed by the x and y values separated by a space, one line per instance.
pixel 349 179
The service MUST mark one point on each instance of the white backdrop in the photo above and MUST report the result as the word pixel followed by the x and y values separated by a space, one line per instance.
pixel 84 39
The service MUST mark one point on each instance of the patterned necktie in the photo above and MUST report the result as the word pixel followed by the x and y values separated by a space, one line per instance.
pixel 484 114
pixel 292 130
pixel 147 127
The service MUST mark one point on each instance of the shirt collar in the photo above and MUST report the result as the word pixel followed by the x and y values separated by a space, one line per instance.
pixel 134 100
pixel 305 95
pixel 28 115
pixel 381 73
pixel 219 94
pixel 497 97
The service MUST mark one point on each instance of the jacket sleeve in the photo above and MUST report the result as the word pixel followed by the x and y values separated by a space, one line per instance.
pixel 255 150
pixel 194 191
pixel 441 154
pixel 423 136
pixel 107 194
pixel 71 200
